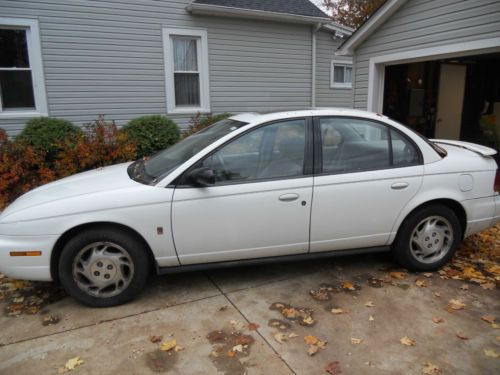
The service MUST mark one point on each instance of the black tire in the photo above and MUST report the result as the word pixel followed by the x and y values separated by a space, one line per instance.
pixel 401 247
pixel 135 254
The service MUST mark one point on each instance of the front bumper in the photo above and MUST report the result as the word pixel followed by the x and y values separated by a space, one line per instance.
pixel 27 267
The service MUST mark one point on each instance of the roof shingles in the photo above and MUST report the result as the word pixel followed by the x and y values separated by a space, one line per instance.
pixel 295 7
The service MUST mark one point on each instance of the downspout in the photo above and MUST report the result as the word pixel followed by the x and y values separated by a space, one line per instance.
pixel 315 29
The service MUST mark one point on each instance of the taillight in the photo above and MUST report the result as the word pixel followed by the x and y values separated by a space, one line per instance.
pixel 496 184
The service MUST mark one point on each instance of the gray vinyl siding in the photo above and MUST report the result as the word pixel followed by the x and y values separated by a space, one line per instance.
pixel 106 57
pixel 426 23
pixel 325 95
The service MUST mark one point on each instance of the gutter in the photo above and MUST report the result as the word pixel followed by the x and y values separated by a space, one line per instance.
pixel 314 30
pixel 217 10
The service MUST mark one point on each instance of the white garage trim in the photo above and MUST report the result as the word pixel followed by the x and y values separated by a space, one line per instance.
pixel 376 71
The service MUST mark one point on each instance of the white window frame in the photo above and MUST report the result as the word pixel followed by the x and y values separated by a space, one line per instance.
pixel 345 63
pixel 36 66
pixel 202 55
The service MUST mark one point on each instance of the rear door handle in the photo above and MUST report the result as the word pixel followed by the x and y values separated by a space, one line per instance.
pixel 399 185
pixel 288 197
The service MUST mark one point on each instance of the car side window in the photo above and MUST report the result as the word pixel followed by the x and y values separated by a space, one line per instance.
pixel 350 145
pixel 404 152
pixel 269 152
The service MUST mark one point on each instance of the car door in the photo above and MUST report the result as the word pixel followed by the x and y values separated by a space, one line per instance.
pixel 259 205
pixel 366 172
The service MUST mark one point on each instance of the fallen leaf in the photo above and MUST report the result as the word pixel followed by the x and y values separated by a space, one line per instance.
pixel 280 337
pixel 397 275
pixel 356 341
pixel 337 311
pixel 455 304
pixel 313 349
pixel 168 345
pixel 488 319
pixel 430 369
pixel 238 348
pixel 464 287
pixel 371 318
pixel 348 285
pixel 311 340
pixel 407 341
pixel 333 368
pixel 178 348
pixel 231 354
pixel 293 335
pixel 437 294
pixel 491 353
pixel 427 274
pixel 222 308
pixel 73 362
pixel 308 321
pixel 462 336
pixel 369 304
pixel 155 339
pixel 253 326
pixel 320 295
pixel 488 286
pixel 420 283
pixel 437 320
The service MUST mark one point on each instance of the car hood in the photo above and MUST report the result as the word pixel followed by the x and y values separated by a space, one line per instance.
pixel 98 180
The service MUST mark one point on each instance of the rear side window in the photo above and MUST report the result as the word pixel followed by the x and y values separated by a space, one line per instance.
pixel 404 153
pixel 350 145
pixel 354 145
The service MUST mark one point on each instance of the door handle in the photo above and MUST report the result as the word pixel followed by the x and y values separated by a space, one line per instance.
pixel 399 185
pixel 288 197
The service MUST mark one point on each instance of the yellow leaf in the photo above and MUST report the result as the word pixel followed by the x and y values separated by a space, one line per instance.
pixel 455 304
pixel 238 348
pixel 397 275
pixel 371 318
pixel 407 341
pixel 168 345
pixel 356 341
pixel 420 283
pixel 313 349
pixel 311 340
pixel 430 369
pixel 73 362
pixel 369 304
pixel 491 353
pixel 488 286
pixel 337 311
pixel 348 285
pixel 488 319
pixel 293 335
pixel 280 337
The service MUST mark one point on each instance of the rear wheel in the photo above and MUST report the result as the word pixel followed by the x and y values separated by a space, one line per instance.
pixel 428 238
pixel 103 267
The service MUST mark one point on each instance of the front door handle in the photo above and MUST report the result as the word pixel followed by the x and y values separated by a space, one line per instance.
pixel 399 185
pixel 288 197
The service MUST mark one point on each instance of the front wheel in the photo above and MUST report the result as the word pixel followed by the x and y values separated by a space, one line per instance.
pixel 428 238
pixel 103 267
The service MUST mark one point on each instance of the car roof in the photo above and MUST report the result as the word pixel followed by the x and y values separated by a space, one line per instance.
pixel 259 117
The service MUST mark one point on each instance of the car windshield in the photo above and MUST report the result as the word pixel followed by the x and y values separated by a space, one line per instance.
pixel 164 162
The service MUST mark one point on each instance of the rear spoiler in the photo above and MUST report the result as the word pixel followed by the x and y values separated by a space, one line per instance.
pixel 478 149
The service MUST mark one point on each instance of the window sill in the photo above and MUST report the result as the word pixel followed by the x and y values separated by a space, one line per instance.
pixel 21 114
pixel 188 111
pixel 341 86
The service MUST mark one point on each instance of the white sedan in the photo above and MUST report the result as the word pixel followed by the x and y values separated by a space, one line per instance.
pixel 250 189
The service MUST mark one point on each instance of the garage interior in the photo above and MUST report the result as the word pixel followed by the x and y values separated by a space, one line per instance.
pixel 456 98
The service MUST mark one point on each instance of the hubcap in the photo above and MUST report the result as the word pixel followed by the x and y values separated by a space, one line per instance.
pixel 431 239
pixel 103 269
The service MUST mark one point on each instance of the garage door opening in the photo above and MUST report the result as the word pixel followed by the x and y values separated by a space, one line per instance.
pixel 456 98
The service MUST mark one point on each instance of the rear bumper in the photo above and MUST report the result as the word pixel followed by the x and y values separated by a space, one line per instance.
pixel 26 267
pixel 482 213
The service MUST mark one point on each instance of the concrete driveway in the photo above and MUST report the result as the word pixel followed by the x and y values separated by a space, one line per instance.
pixel 352 315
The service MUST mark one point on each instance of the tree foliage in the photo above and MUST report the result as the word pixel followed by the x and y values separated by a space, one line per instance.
pixel 352 13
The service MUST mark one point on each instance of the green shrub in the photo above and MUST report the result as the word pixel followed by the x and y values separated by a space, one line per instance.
pixel 198 122
pixel 151 133
pixel 45 133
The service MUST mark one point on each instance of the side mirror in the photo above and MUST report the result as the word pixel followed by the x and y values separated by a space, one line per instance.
pixel 203 177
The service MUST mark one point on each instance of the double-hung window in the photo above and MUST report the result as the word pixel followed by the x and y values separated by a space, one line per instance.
pixel 22 92
pixel 186 69
pixel 341 74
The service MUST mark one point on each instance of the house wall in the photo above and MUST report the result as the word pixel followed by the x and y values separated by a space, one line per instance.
pixel 426 23
pixel 106 57
pixel 325 95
